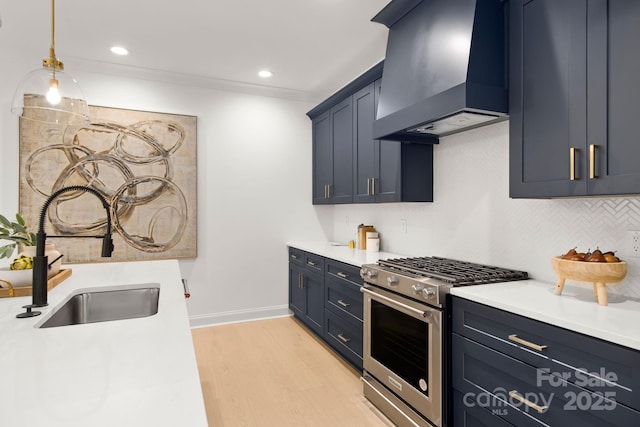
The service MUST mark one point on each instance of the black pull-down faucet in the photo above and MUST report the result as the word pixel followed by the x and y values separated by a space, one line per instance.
pixel 40 261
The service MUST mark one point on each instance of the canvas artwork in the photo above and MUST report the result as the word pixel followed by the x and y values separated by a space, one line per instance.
pixel 143 163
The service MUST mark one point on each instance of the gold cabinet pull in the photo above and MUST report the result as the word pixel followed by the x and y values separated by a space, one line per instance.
pixel 329 186
pixel 373 186
pixel 294 256
pixel 526 343
pixel 592 161
pixel 344 304
pixel 300 281
pixel 368 186
pixel 572 163
pixel 343 338
pixel 326 192
pixel 515 395
pixel 341 274
pixel 311 263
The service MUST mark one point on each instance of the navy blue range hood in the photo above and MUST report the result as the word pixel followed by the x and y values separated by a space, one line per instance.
pixel 445 69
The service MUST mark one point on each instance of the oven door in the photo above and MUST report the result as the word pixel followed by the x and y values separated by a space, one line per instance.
pixel 403 349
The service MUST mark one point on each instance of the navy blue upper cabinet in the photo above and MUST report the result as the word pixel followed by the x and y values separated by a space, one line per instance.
pixel 384 170
pixel 573 72
pixel 322 157
pixel 332 155
pixel 612 84
pixel 350 166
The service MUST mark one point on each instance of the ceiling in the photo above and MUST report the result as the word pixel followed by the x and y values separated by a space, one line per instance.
pixel 311 46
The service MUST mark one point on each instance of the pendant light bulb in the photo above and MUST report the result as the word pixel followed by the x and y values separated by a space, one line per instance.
pixel 48 94
pixel 53 94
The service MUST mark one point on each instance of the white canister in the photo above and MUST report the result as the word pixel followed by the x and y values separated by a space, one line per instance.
pixel 373 242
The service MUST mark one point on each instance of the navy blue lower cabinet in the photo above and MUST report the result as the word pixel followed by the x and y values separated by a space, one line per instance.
pixel 527 396
pixel 470 414
pixel 324 294
pixel 345 336
pixel 529 373
pixel 297 298
pixel 306 288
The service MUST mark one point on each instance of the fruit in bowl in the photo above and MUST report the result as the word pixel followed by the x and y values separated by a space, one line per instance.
pixel 595 256
pixel 23 262
pixel 595 267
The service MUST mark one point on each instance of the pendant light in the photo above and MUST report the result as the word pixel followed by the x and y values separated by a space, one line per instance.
pixel 48 94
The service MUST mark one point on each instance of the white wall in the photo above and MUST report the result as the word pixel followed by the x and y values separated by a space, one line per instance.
pixel 254 195
pixel 472 217
pixel 254 183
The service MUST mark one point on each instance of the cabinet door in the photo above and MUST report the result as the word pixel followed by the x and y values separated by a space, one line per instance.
pixel 314 301
pixel 341 190
pixel 614 68
pixel 388 160
pixel 297 300
pixel 363 144
pixel 547 105
pixel 322 158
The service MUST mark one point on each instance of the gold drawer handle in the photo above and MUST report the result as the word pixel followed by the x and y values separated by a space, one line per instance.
pixel 592 161
pixel 343 338
pixel 344 304
pixel 572 164
pixel 527 343
pixel 541 409
pixel 341 274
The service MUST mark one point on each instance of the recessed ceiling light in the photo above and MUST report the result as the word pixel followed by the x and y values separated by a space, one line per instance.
pixel 265 73
pixel 119 50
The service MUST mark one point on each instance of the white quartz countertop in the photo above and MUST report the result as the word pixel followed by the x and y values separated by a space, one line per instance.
pixel 575 309
pixel 356 257
pixel 135 372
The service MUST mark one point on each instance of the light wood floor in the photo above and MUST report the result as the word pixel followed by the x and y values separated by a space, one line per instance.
pixel 276 373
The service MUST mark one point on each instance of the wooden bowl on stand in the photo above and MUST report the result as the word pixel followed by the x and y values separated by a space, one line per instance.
pixel 600 274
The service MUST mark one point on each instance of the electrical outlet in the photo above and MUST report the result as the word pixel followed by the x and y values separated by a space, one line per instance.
pixel 634 243
pixel 403 226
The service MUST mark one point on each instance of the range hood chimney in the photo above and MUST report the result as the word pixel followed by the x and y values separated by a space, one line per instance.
pixel 445 69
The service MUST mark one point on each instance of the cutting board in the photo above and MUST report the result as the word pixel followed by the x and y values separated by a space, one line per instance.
pixel 26 290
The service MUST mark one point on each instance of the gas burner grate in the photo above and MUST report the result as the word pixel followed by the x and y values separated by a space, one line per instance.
pixel 458 273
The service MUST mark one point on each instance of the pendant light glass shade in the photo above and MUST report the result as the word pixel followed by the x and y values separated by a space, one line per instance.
pixel 48 94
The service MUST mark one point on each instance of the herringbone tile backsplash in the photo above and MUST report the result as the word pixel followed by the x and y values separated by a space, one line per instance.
pixel 472 217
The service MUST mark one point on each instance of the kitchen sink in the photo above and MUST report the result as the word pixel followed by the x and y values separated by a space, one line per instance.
pixel 106 305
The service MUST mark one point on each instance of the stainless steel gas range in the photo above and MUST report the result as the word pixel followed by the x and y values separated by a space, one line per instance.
pixel 405 370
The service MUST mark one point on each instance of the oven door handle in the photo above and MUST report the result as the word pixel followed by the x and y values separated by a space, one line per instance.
pixel 376 295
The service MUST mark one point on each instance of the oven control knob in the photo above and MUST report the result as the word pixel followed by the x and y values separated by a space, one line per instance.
pixel 429 293
pixel 417 288
pixel 371 274
pixel 392 281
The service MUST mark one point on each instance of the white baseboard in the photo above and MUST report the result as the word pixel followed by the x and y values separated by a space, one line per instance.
pixel 239 316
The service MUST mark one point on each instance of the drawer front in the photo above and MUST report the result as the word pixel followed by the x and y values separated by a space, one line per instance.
pixel 343 298
pixel 465 415
pixel 314 262
pixel 296 256
pixel 501 384
pixel 588 362
pixel 345 335
pixel 343 272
